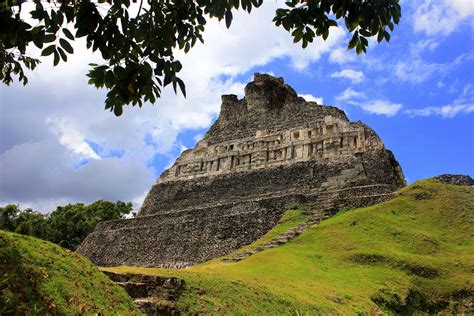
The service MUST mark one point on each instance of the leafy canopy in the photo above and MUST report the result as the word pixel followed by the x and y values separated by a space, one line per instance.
pixel 138 42
pixel 67 226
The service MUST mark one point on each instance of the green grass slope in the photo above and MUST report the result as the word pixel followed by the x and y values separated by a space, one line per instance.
pixel 414 253
pixel 41 278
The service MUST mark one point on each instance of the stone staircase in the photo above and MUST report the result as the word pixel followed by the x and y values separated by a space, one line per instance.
pixel 153 294
pixel 323 208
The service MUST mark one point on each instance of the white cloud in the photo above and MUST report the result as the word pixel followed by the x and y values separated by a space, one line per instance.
pixel 312 98
pixel 341 56
pixel 417 70
pixel 350 94
pixel 464 104
pixel 72 139
pixel 377 106
pixel 442 17
pixel 381 107
pixel 253 40
pixel 353 75
pixel 447 111
pixel 41 175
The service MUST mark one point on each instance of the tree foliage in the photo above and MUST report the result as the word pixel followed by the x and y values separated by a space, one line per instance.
pixel 138 43
pixel 67 226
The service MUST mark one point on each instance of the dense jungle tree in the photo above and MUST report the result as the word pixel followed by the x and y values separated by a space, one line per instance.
pixel 67 226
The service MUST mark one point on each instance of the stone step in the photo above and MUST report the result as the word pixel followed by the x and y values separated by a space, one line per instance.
pixel 272 245
pixel 154 280
pixel 135 289
pixel 299 231
pixel 153 294
pixel 152 307
pixel 280 240
pixel 316 217
pixel 241 256
pixel 141 290
pixel 319 218
pixel 231 260
pixel 117 277
pixel 146 305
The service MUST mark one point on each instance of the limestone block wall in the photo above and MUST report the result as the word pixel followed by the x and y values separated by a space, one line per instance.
pixel 373 167
pixel 179 239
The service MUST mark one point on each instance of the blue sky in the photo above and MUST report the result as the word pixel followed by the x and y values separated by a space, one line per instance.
pixel 58 145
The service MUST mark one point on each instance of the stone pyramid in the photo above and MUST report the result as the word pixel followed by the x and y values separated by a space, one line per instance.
pixel 265 153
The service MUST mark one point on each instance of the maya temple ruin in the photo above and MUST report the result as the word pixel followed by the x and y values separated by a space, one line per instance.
pixel 266 153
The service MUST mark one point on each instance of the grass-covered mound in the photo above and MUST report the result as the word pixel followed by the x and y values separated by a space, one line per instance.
pixel 40 278
pixel 413 253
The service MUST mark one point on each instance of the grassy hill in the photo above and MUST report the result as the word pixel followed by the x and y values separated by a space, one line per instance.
pixel 413 253
pixel 40 278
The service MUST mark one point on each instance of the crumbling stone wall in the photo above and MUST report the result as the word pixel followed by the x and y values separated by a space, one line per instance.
pixel 458 179
pixel 265 153
pixel 179 239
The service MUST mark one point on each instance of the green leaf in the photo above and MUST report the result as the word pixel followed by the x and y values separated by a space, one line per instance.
pixel 48 38
pixel 201 20
pixel 396 18
pixel 326 34
pixel 68 34
pixel 305 43
pixel 56 58
pixel 48 50
pixel 38 43
pixel 228 18
pixel 174 87
pixel 62 54
pixel 281 12
pixel 380 36
pixel 118 110
pixel 297 34
pixel 109 79
pixel 181 86
pixel 354 40
pixel 65 44
pixel 364 41
pixel 365 33
pixel 167 80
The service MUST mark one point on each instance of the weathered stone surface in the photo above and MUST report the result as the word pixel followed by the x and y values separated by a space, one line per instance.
pixel 153 294
pixel 458 179
pixel 267 152
pixel 179 239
